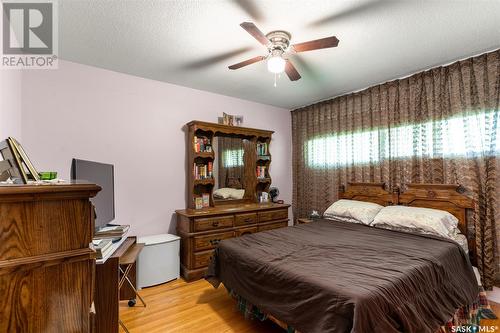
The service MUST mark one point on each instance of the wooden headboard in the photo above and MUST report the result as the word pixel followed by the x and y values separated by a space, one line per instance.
pixel 370 192
pixel 450 198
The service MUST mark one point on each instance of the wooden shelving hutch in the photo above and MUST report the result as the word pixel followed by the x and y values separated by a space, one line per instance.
pixel 253 185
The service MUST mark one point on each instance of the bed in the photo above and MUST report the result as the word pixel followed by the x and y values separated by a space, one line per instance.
pixel 336 276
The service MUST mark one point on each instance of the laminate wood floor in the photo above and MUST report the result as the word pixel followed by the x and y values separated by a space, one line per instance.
pixel 197 307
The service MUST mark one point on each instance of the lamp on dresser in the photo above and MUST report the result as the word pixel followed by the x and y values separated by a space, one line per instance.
pixel 228 184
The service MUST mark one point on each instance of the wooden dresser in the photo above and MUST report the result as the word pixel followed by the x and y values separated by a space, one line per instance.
pixel 202 230
pixel 46 265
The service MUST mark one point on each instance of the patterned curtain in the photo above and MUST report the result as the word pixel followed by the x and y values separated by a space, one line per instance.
pixel 438 126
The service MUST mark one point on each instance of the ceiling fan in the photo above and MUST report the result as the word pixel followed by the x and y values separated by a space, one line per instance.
pixel 279 49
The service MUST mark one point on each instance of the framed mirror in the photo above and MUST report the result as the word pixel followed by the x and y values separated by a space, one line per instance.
pixel 229 169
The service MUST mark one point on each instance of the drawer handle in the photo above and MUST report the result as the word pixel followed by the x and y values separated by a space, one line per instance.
pixel 248 220
pixel 214 241
pixel 215 224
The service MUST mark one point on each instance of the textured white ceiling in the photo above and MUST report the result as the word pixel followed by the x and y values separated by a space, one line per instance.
pixel 191 43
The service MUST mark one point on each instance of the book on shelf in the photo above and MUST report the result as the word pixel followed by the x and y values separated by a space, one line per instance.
pixel 202 144
pixel 198 202
pixel 210 169
pixel 206 200
pixel 203 171
pixel 202 201
pixel 111 231
pixel 261 171
pixel 262 149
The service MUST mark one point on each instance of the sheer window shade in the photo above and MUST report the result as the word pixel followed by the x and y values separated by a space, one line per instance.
pixel 435 139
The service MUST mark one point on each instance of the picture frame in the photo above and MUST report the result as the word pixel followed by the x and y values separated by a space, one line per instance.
pixel 238 121
pixel 21 168
pixel 24 159
pixel 228 119
pixel 8 156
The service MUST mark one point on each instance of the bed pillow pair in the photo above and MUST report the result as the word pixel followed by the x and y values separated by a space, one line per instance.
pixel 401 218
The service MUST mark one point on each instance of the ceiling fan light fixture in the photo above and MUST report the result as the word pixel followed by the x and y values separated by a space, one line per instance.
pixel 276 64
pixel 279 50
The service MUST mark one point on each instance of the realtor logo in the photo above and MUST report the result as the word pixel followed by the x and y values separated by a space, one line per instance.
pixel 29 37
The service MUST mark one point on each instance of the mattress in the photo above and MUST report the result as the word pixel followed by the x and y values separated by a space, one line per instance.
pixel 333 276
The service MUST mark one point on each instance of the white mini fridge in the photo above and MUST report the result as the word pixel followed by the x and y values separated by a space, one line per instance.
pixel 159 260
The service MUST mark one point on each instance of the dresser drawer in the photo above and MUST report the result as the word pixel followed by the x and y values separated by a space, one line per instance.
pixel 246 231
pixel 279 214
pixel 245 219
pixel 273 226
pixel 210 241
pixel 202 259
pixel 211 223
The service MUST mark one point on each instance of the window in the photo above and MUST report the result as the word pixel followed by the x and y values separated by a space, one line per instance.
pixel 452 137
pixel 233 158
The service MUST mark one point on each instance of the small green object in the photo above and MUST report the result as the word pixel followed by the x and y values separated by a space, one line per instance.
pixel 48 175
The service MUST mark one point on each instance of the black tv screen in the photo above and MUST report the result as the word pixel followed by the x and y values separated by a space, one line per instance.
pixel 103 175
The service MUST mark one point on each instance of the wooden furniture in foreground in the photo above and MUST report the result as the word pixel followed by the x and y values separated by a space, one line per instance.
pixel 46 264
pixel 251 183
pixel 202 229
pixel 107 291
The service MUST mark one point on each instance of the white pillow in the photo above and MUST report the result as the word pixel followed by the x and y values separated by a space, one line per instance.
pixel 237 194
pixel 222 193
pixel 229 193
pixel 362 211
pixel 424 220
pixel 461 240
pixel 341 218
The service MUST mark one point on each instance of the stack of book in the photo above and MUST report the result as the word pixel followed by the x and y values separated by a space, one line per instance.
pixel 202 201
pixel 203 171
pixel 111 232
pixel 202 145
pixel 261 171
pixel 102 247
pixel 262 148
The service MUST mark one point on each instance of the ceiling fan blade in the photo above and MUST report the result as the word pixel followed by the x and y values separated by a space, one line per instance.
pixel 247 62
pixel 251 8
pixel 317 44
pixel 255 32
pixel 357 9
pixel 215 59
pixel 291 71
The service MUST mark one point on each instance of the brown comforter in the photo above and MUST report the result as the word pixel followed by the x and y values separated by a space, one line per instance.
pixel 332 276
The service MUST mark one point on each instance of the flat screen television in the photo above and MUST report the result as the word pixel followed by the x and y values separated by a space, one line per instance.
pixel 101 174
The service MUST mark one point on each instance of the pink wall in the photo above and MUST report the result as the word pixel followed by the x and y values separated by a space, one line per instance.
pixel 10 103
pixel 135 124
